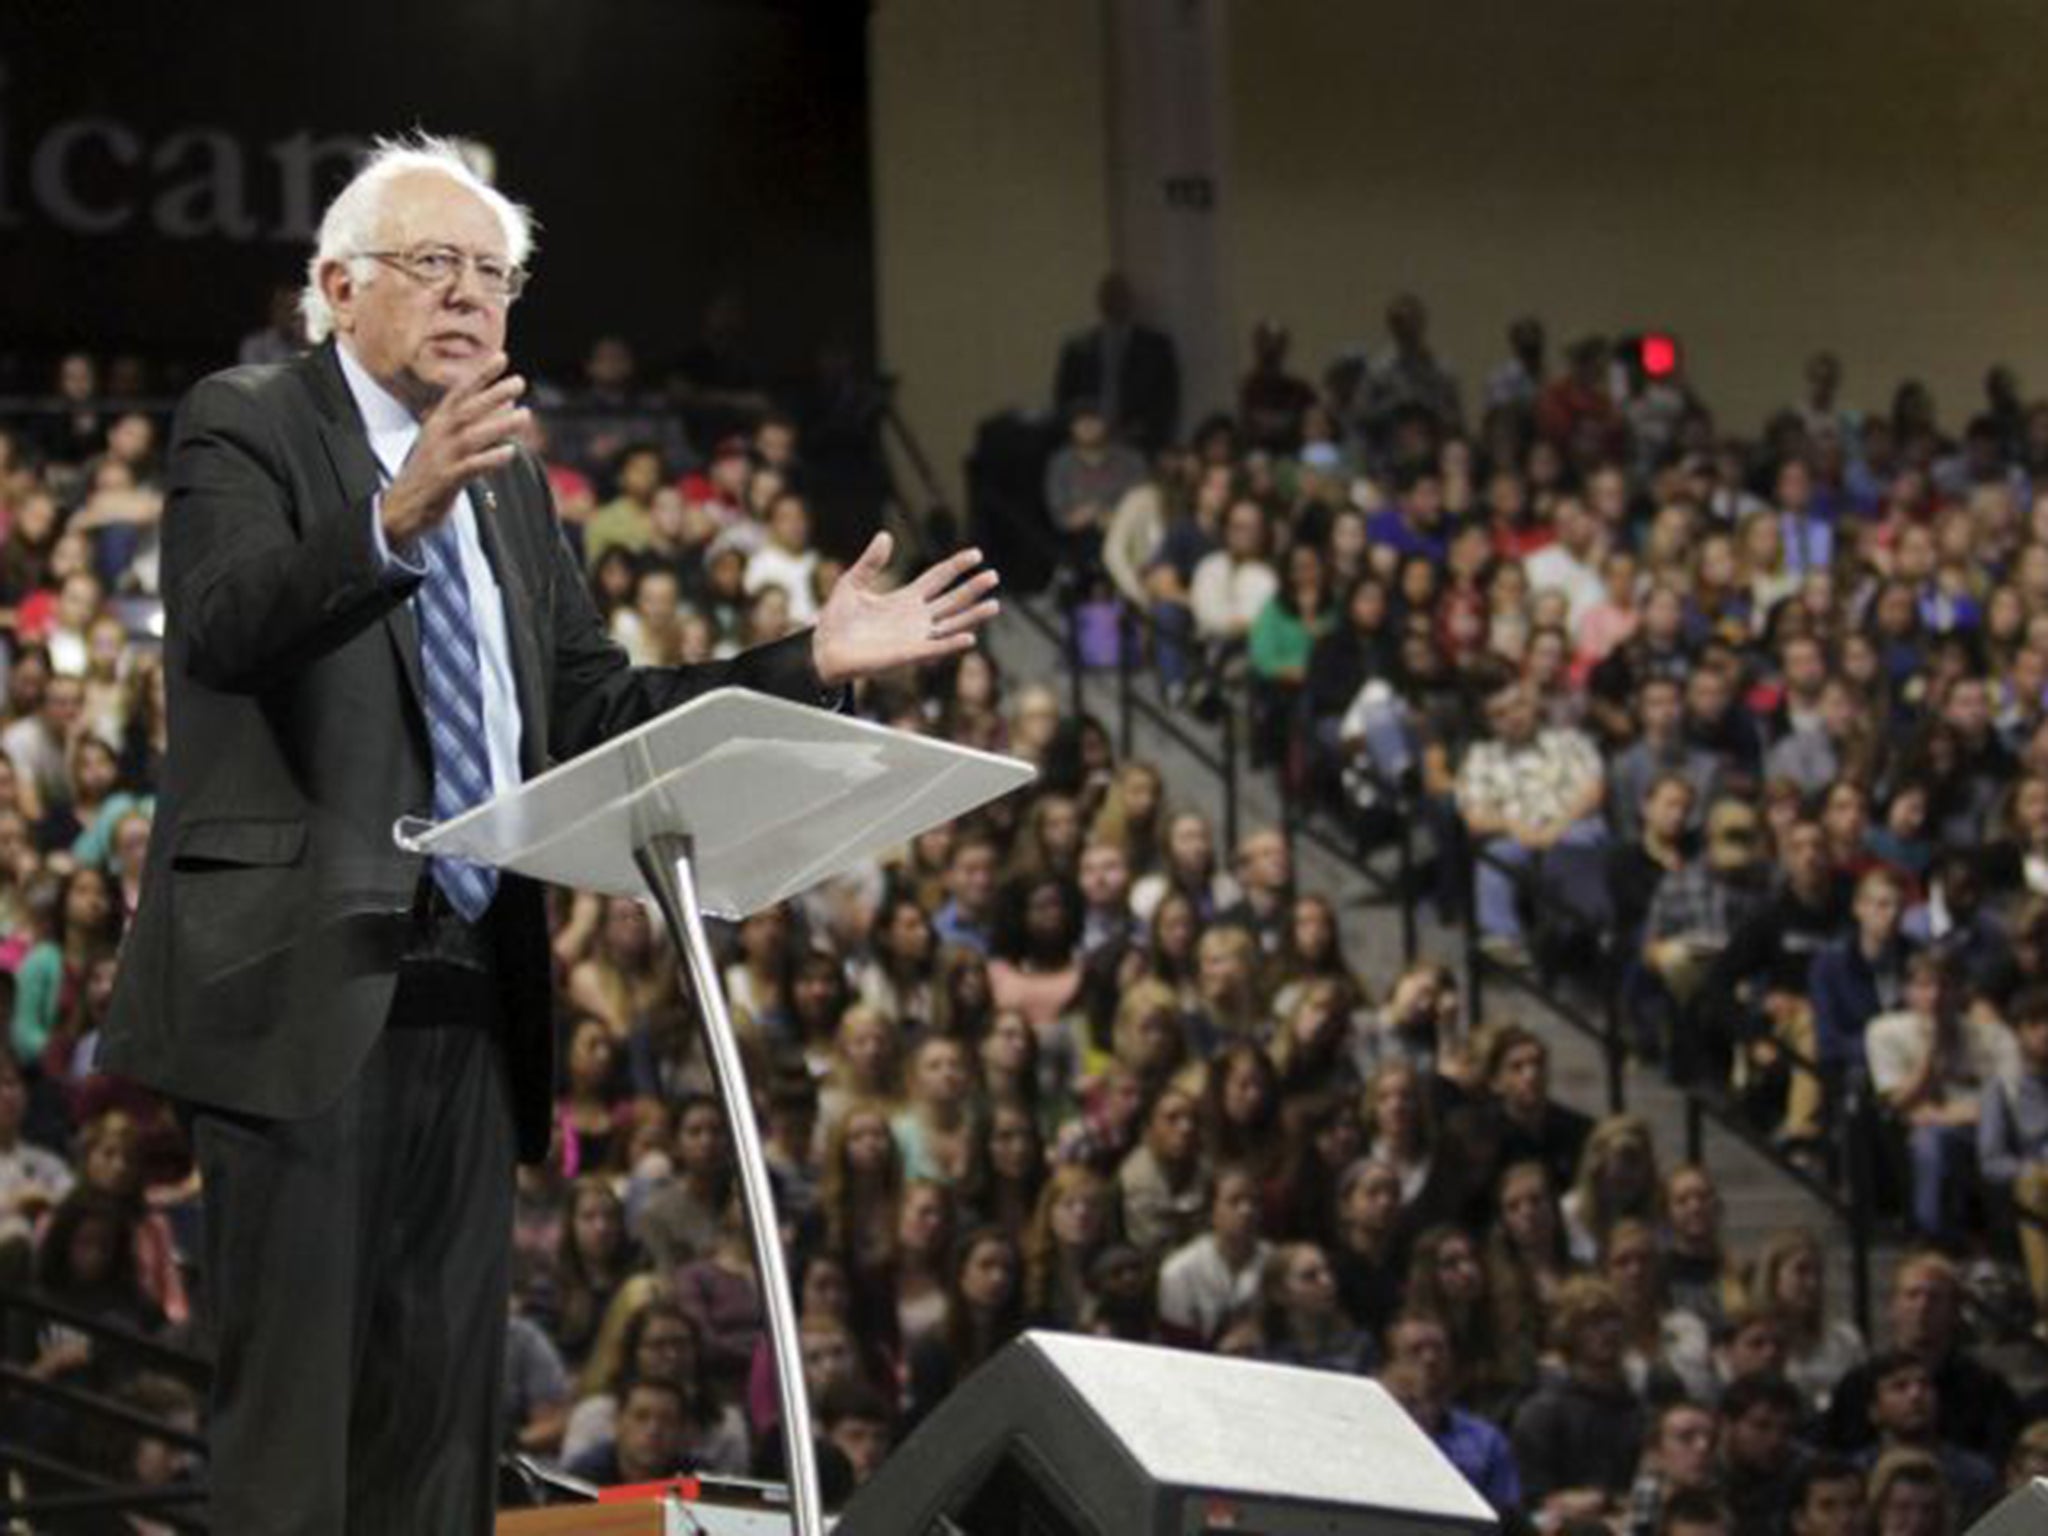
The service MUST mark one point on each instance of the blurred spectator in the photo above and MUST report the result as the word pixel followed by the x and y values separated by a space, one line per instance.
pixel 1827 1499
pixel 1162 1183
pixel 1205 1280
pixel 1525 793
pixel 716 383
pixel 1302 1317
pixel 1129 370
pixel 647 1441
pixel 1406 375
pixel 1418 1372
pixel 786 558
pixel 1910 1497
pixel 1517 384
pixel 32 1178
pixel 1791 1278
pixel 283 333
pixel 1679 1466
pixel 1088 477
pixel 1271 402
pixel 599 421
pixel 2012 1137
pixel 857 1422
pixel 1929 1061
pixel 1575 1441
pixel 626 521
pixel 1975 1407
pixel 1760 1452
pixel 1904 1416
pixel 984 1311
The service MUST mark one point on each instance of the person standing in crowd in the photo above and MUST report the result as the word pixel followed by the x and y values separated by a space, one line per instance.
pixel 353 548
pixel 1129 370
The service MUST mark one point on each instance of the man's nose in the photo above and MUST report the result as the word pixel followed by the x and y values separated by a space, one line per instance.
pixel 467 291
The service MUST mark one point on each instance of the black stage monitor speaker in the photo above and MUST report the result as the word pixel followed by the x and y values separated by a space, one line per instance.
pixel 1061 1435
pixel 2024 1512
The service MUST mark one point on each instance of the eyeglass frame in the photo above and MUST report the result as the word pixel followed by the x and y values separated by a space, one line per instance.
pixel 513 282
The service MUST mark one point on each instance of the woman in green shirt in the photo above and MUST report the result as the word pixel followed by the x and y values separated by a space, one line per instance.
pixel 1282 635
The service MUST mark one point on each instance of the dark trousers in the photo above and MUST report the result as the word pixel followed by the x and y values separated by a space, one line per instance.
pixel 357 1265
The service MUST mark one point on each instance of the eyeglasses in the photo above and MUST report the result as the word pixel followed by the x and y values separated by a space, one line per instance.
pixel 439 266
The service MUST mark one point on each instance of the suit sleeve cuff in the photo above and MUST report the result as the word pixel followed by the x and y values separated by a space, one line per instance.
pixel 395 566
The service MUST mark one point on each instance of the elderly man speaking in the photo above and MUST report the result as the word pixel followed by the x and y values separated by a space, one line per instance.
pixel 372 612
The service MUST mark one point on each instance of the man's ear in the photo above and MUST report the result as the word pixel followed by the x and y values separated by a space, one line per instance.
pixel 339 287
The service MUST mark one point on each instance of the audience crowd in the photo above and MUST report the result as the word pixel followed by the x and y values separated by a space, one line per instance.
pixel 1760 723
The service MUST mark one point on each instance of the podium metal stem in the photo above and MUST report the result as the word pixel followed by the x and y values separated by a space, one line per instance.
pixel 665 862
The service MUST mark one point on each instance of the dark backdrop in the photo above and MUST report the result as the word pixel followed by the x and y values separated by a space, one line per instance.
pixel 159 164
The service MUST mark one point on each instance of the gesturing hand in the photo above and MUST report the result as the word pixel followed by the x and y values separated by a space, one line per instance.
pixel 469 431
pixel 863 629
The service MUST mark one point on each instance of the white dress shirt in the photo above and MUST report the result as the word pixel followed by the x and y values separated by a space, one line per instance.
pixel 393 431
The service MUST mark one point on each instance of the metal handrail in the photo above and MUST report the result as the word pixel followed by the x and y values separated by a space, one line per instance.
pixel 1856 1207
pixel 175 1357
pixel 167 1504
pixel 95 1494
pixel 14 1379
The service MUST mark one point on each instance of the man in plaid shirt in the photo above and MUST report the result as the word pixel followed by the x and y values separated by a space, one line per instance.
pixel 1697 909
pixel 1525 794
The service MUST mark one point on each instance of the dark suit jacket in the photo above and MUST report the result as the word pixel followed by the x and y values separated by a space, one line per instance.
pixel 261 964
pixel 1148 383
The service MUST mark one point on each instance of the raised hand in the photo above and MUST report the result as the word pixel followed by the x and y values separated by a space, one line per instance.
pixel 470 430
pixel 864 629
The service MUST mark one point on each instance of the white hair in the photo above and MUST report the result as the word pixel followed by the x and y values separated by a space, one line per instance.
pixel 349 226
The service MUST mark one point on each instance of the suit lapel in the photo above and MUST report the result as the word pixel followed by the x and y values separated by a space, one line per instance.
pixel 348 450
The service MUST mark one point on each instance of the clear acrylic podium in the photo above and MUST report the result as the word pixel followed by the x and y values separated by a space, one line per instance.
pixel 728 804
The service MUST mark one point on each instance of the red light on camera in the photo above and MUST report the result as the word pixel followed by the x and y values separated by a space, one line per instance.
pixel 1660 355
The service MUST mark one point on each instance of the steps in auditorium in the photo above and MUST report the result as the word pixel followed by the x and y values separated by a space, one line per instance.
pixel 1759 1198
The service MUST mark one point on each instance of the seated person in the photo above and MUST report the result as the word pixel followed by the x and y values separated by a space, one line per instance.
pixel 1679 1467
pixel 1826 1498
pixel 1974 1405
pixel 1576 1440
pixel 1526 792
pixel 1905 1415
pixel 856 1421
pixel 647 1444
pixel 1929 1062
pixel 1419 1373
pixel 1202 1283
pixel 2012 1136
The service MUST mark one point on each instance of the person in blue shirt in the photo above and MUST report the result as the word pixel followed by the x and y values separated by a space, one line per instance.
pixel 1861 974
pixel 967 917
pixel 1413 524
pixel 1419 1373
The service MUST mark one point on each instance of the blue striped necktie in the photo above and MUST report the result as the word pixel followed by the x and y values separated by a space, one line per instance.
pixel 452 669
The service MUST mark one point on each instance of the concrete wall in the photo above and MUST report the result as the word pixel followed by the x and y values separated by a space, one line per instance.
pixel 991 202
pixel 1763 177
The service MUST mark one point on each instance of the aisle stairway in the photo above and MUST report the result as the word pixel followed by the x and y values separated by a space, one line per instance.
pixel 1759 1197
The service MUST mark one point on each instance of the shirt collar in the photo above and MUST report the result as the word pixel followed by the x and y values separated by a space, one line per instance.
pixel 390 425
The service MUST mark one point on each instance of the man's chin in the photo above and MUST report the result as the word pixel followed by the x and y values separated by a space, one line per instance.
pixel 431 378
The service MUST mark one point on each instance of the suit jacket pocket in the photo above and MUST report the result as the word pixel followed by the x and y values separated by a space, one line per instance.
pixel 204 844
pixel 239 893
